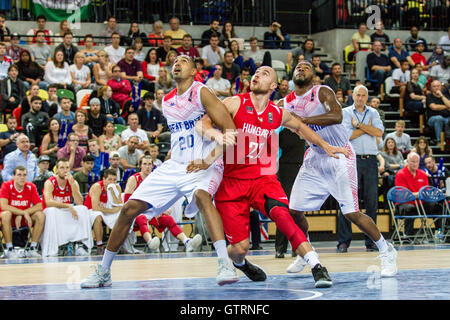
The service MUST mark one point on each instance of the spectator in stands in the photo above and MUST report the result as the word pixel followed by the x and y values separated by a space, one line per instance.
pixel 114 50
pixel 201 74
pixel 213 29
pixel 336 80
pixel 219 85
pixel 360 41
pixel 40 50
pixel 212 53
pixel 239 59
pixel 5 62
pixel 81 74
pixel 96 120
pixel 133 34
pixel 8 138
pixel 393 161
pixel 321 68
pixel 444 42
pixel 90 53
pixel 109 141
pixel 65 115
pixel 121 88
pixel 283 90
pixel 12 90
pixel 165 81
pixel 155 39
pixel 422 148
pixel 129 154
pixel 110 30
pixel 134 130
pixel 21 206
pixel 14 50
pixel 103 69
pixel 63 28
pixel 422 80
pixel 85 177
pixel 139 54
pixel 412 178
pixel 99 162
pixel 81 128
pixel 402 139
pixel 49 146
pixel 68 48
pixel 414 98
pixel 438 109
pixel 151 65
pixel 57 71
pixel 159 94
pixel 230 69
pixel 401 77
pixel 341 98
pixel 30 72
pixel 131 69
pixel 22 156
pixel 187 49
pixel 242 83
pixel 162 51
pixel 379 65
pixel 276 38
pixel 255 52
pixel 306 50
pixel 441 72
pixel 73 152
pixel 43 174
pixel 108 106
pixel 375 103
pixel 397 54
pixel 380 35
pixel 150 119
pixel 437 57
pixel 4 30
pixel 114 160
pixel 35 122
pixel 410 42
pixel 26 101
pixel 32 33
pixel 170 60
pixel 418 57
pixel 227 34
pixel 52 101
pixel 154 152
pixel 175 32
pixel 436 175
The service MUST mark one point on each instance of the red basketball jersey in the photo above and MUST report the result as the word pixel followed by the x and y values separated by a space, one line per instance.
pixel 256 150
pixel 103 196
pixel 63 195
pixel 21 200
pixel 138 178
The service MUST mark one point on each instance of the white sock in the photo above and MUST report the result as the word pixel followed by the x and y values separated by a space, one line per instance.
pixel 382 244
pixel 99 243
pixel 239 264
pixel 312 258
pixel 33 245
pixel 186 241
pixel 108 258
pixel 9 245
pixel 221 248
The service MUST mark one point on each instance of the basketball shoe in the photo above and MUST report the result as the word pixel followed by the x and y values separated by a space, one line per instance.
pixel 252 271
pixel 153 245
pixel 99 278
pixel 388 261
pixel 321 277
pixel 227 273
pixel 297 266
pixel 194 243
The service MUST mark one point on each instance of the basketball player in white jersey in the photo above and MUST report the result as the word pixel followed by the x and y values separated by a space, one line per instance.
pixel 182 107
pixel 321 175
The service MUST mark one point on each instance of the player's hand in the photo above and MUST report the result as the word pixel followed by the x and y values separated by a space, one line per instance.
pixel 197 165
pixel 28 220
pixel 73 212
pixel 228 139
pixel 70 179
pixel 354 122
pixel 332 151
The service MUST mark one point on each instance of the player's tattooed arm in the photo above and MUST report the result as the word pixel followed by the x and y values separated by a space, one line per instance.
pixel 332 106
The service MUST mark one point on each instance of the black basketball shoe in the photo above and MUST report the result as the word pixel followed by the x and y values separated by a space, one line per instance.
pixel 252 271
pixel 321 277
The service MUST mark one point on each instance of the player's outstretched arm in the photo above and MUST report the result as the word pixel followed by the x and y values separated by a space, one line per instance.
pixel 292 122
pixel 334 109
pixel 217 111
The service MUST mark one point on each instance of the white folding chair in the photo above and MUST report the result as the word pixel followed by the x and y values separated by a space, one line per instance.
pixel 81 94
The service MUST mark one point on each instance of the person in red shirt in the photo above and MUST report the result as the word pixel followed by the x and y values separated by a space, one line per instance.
pixel 121 87
pixel 413 179
pixel 418 57
pixel 21 207
pixel 187 49
pixel 201 73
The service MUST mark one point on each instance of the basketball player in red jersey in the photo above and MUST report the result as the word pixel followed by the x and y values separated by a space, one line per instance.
pixel 64 222
pixel 249 178
pixel 160 222
pixel 16 198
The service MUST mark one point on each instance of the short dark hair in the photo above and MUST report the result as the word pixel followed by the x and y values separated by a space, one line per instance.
pixel 67 32
pixel 88 158
pixel 144 157
pixel 403 61
pixel 252 39
pixel 128 49
pixel 167 37
pixel 199 60
pixel 228 53
pixel 187 35
pixel 19 168
pixel 115 33
pixel 149 95
pixel 245 69
pixel 41 16
pixel 52 85
pixel 62 98
pixel 109 172
pixel 35 98
pixel 60 160
pixel 335 64
pixel 39 31
pixel 13 66
pixel 214 35
pixel 116 66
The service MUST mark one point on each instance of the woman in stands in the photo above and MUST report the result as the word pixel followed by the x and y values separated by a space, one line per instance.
pixel 57 71
pixel 436 57
pixel 240 60
pixel 165 81
pixel 150 66
pixel 133 34
pixel 49 146
pixel 422 148
pixel 414 97
pixel 155 39
pixel 108 106
pixel 26 102
pixel 394 161
pixel 63 28
pixel 227 34
pixel 102 70
pixel 82 129
pixel 91 54
pixel 109 141
pixel 138 45
pixel 30 72
pixel 81 74
pixel 170 60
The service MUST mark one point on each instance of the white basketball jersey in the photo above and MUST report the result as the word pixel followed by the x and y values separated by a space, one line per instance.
pixel 309 105
pixel 182 113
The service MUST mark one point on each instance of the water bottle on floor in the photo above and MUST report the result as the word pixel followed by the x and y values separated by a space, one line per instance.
pixel 438 236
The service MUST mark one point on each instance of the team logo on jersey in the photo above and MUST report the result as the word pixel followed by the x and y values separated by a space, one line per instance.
pixel 292 107
pixel 270 117
pixel 20 197
pixel 172 104
pixel 249 109
pixel 260 119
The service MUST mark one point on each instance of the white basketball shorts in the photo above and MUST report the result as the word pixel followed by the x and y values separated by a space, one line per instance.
pixel 320 176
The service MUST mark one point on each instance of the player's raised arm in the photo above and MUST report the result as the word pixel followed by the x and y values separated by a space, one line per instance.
pixel 330 103
pixel 217 111
pixel 295 123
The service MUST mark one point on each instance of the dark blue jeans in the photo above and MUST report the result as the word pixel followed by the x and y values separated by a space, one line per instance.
pixel 368 192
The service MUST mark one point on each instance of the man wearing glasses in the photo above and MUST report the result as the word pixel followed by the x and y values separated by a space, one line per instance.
pixel 72 152
pixel 41 51
pixel 114 51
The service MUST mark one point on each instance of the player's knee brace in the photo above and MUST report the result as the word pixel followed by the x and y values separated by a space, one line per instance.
pixel 141 222
pixel 168 222
pixel 270 203
pixel 285 223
